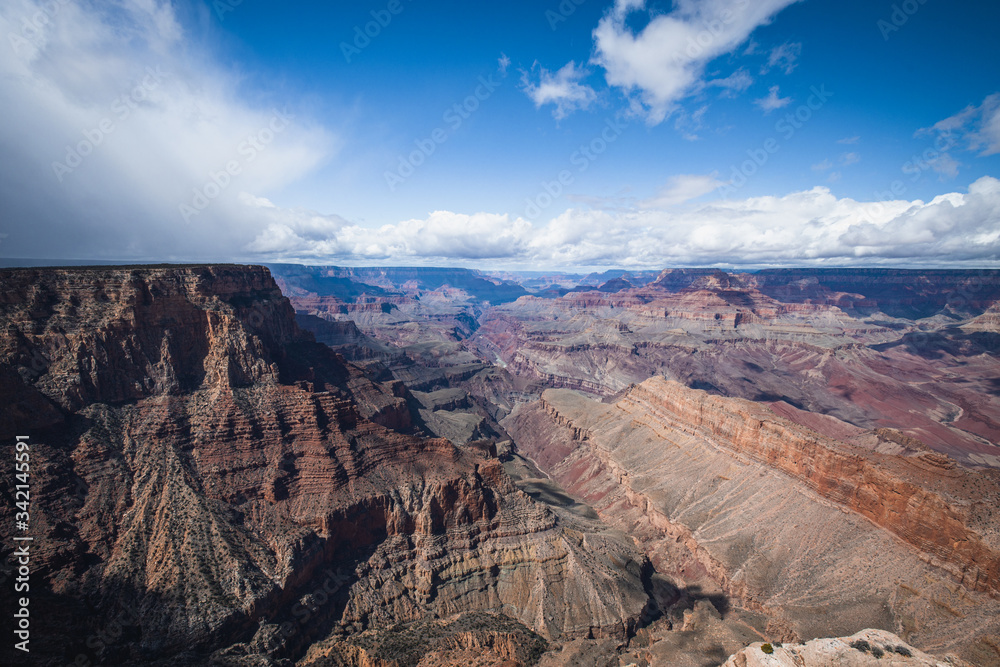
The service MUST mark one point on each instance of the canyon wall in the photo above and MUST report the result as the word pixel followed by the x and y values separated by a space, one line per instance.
pixel 819 535
pixel 739 335
pixel 204 469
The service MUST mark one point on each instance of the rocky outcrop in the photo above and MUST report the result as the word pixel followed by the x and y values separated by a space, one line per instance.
pixel 813 533
pixel 481 639
pixel 863 649
pixel 213 476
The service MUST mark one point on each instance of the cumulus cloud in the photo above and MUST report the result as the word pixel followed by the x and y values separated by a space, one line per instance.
pixel 114 119
pixel 773 100
pixel 811 227
pixel 562 89
pixel 977 127
pixel 665 61
pixel 443 235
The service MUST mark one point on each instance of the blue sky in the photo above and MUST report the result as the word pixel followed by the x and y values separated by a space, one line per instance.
pixel 628 133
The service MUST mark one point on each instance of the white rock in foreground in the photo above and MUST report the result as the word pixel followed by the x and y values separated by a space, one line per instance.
pixel 868 647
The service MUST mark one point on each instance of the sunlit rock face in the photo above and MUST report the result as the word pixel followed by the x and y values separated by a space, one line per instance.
pixel 821 533
pixel 868 647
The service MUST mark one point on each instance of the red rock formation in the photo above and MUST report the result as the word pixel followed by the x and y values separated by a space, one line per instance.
pixel 888 491
pixel 724 333
pixel 813 533
pixel 204 462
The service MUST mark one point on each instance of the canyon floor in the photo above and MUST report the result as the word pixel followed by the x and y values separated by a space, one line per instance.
pixel 329 466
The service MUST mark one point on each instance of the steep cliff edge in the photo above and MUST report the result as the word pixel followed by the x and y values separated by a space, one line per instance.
pixel 821 536
pixel 208 476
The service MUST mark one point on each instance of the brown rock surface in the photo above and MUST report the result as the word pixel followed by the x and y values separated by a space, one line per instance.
pixel 203 467
pixel 816 534
pixel 769 338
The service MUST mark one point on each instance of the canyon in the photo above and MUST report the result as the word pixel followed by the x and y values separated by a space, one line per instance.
pixel 342 466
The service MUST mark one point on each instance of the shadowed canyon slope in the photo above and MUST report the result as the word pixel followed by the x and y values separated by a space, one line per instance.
pixel 211 479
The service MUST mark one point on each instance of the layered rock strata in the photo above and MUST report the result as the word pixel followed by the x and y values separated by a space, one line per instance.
pixel 820 535
pixel 932 378
pixel 209 476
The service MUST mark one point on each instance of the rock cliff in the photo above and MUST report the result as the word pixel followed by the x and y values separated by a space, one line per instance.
pixel 817 534
pixel 209 478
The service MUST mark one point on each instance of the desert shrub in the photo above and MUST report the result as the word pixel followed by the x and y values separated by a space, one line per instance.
pixel 903 651
pixel 877 652
pixel 861 645
pixel 767 648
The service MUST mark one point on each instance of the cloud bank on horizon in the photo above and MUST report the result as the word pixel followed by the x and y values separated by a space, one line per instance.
pixel 812 227
pixel 134 132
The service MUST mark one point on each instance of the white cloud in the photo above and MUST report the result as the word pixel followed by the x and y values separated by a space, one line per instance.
pixel 811 227
pixel 442 235
pixel 138 117
pixel 848 159
pixel 736 82
pixel 823 166
pixel 978 127
pixel 688 124
pixel 783 57
pixel 773 101
pixel 503 62
pixel 945 165
pixel 563 89
pixel 665 61
pixel 682 188
pixel 849 140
